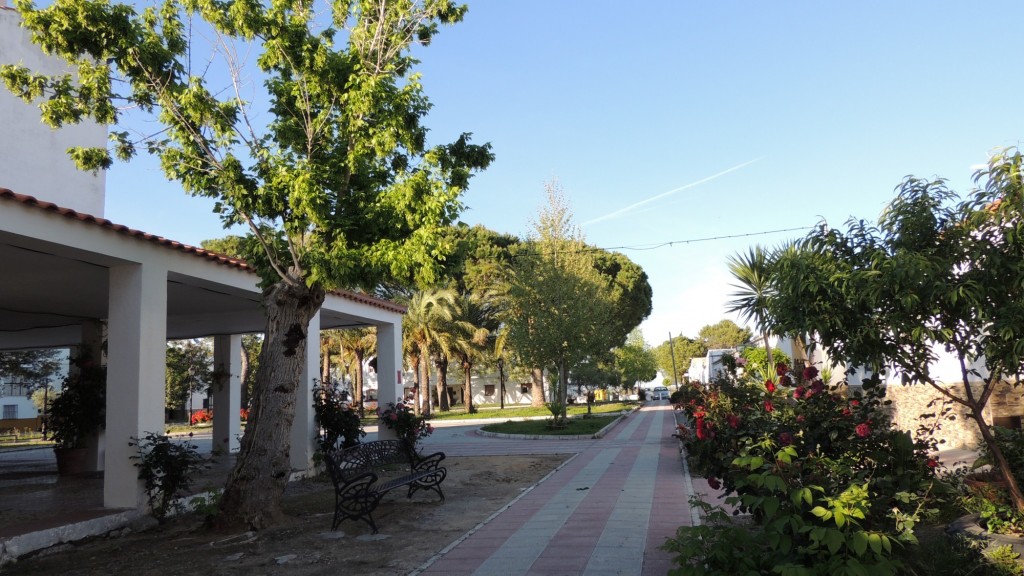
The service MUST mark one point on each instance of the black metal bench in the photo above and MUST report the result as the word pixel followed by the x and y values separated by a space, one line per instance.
pixel 355 472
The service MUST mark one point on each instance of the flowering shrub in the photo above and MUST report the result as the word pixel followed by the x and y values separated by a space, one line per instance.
pixel 830 485
pixel 243 413
pixel 335 418
pixel 201 416
pixel 405 423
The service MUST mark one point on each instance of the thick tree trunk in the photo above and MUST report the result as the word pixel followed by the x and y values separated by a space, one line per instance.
pixel 442 383
pixel 467 385
pixel 1000 464
pixel 563 387
pixel 357 384
pixel 243 376
pixel 416 408
pixel 537 387
pixel 325 367
pixel 252 496
pixel 425 382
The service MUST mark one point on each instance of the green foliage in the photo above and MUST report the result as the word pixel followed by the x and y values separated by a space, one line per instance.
pixel 335 418
pixel 166 469
pixel 80 409
pixel 189 370
pixel 936 273
pixel 33 368
pixel 755 361
pixel 725 334
pixel 635 360
pixel 685 349
pixel 1005 560
pixel 831 487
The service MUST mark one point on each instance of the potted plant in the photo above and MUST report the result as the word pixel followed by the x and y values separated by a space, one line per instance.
pixel 77 414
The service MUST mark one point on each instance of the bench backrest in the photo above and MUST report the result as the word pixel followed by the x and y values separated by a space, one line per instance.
pixel 368 457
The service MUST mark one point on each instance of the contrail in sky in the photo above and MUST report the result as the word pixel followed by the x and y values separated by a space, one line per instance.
pixel 636 205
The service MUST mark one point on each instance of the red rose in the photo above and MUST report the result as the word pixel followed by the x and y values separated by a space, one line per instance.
pixel 854 403
pixel 798 393
pixel 846 412
pixel 932 463
pixel 863 430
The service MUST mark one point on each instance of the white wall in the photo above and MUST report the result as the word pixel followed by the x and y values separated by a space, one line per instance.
pixel 33 158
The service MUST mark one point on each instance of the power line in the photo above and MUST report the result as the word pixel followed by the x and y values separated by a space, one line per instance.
pixel 669 243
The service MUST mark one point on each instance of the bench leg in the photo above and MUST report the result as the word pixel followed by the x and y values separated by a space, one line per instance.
pixel 431 482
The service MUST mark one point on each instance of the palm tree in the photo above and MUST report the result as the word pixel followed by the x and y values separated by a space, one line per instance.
pixel 753 271
pixel 474 318
pixel 358 342
pixel 425 316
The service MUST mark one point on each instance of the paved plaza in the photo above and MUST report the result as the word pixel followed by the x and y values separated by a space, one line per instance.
pixel 606 510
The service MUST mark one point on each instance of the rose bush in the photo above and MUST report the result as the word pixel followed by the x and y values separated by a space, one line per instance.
pixel 405 423
pixel 830 485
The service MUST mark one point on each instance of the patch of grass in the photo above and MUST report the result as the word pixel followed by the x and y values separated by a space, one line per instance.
pixel 530 411
pixel 574 427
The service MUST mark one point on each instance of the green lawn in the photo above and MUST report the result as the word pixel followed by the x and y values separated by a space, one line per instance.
pixel 574 427
pixel 528 411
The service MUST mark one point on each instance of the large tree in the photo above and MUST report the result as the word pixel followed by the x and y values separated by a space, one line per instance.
pixel 676 354
pixel 189 370
pixel 936 275
pixel 328 166
pixel 635 360
pixel 559 310
pixel 724 334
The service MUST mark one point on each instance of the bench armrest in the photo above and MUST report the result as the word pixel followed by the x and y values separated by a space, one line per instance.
pixel 429 462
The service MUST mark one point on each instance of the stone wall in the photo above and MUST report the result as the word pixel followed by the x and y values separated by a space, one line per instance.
pixel 1005 408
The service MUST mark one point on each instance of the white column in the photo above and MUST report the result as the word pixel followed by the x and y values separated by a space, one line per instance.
pixel 136 362
pixel 389 369
pixel 92 348
pixel 227 392
pixel 304 427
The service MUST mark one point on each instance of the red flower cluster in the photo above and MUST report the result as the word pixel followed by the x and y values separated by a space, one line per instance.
pixel 769 385
pixel 810 373
pixel 200 416
pixel 863 430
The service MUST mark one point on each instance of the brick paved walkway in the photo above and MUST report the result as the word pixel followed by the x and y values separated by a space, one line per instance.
pixel 604 512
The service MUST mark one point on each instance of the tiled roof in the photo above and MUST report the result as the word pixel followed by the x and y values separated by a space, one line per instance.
pixel 10 195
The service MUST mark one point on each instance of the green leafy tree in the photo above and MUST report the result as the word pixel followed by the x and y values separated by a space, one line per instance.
pixel 936 274
pixel 189 370
pixel 725 334
pixel 635 360
pixel 332 176
pixel 559 311
pixel 32 368
pixel 684 349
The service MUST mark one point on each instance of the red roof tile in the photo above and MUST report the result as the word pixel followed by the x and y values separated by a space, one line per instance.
pixel 221 259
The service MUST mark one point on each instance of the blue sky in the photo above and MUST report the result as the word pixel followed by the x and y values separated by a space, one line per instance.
pixel 670 121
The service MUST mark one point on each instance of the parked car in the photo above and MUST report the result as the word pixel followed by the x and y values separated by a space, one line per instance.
pixel 660 393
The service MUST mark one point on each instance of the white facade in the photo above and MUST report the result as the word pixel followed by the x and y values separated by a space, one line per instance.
pixel 34 156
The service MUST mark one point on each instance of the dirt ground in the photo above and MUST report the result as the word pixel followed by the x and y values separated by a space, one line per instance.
pixel 411 532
